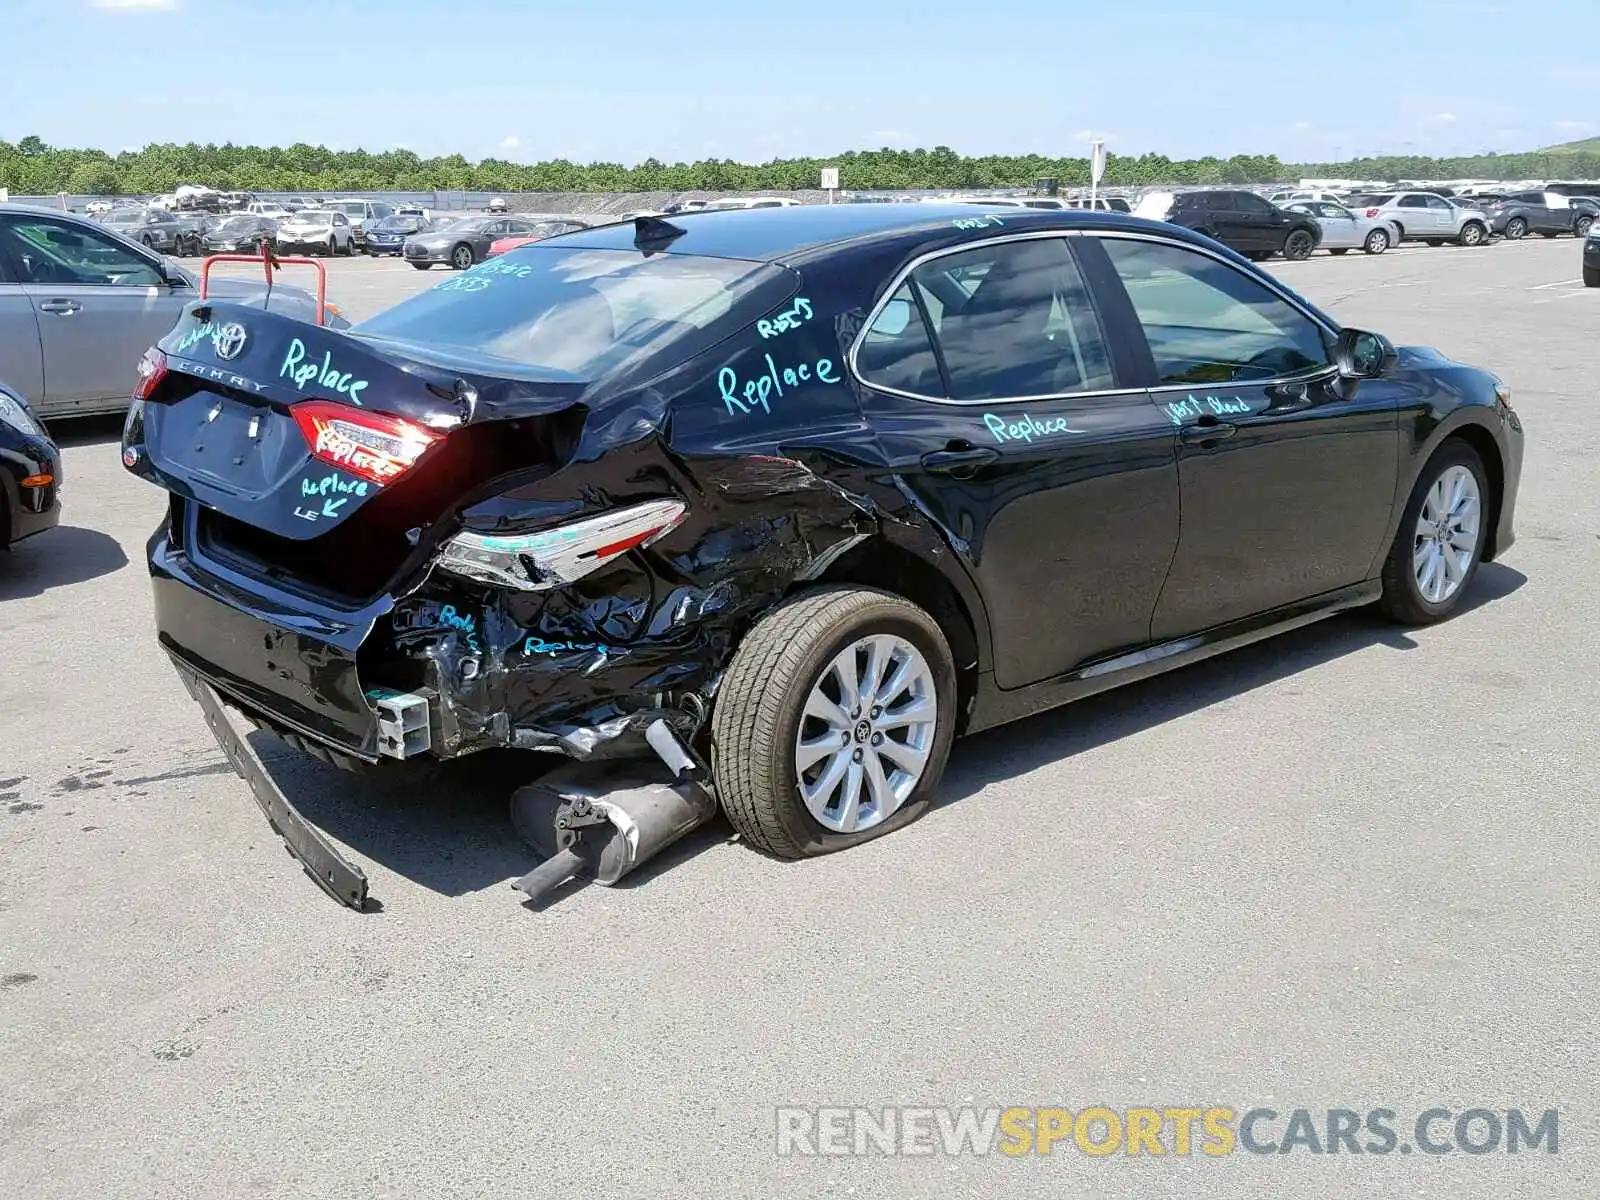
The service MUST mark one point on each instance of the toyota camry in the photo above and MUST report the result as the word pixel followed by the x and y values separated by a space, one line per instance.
pixel 798 495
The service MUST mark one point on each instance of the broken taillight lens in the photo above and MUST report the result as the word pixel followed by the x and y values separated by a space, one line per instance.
pixel 552 557
pixel 152 370
pixel 374 446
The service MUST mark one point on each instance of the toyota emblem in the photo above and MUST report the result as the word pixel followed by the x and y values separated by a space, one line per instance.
pixel 230 341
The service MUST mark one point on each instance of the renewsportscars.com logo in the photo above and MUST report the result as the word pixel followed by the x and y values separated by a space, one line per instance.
pixel 1178 1131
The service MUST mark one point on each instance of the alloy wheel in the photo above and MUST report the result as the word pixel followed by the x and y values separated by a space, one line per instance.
pixel 1472 234
pixel 1515 228
pixel 1299 246
pixel 462 258
pixel 1447 534
pixel 866 733
pixel 1377 242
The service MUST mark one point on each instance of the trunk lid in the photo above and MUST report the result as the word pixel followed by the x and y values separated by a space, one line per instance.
pixel 317 456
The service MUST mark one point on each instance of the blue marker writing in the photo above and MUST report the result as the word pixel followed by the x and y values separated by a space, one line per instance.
pixel 792 318
pixel 1026 429
pixel 295 367
pixel 770 384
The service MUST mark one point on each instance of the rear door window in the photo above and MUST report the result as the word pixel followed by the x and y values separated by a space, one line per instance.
pixel 1014 320
pixel 48 251
pixel 896 352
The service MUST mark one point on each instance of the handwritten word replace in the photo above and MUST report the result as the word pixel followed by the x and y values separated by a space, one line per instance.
pixel 770 383
pixel 1026 429
pixel 302 372
pixel 537 645
pixel 978 222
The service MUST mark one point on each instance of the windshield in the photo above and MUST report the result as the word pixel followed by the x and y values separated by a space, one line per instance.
pixel 351 208
pixel 315 217
pixel 122 217
pixel 232 223
pixel 401 225
pixel 578 311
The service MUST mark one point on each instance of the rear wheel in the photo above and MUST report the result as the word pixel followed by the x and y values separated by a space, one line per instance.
pixel 1472 234
pixel 1377 241
pixel 1297 247
pixel 1440 541
pixel 461 257
pixel 1516 228
pixel 1580 227
pixel 833 722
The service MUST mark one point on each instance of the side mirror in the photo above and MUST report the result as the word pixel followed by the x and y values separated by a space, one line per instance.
pixel 1363 355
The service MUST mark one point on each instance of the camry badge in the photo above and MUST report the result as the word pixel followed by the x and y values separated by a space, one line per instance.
pixel 230 341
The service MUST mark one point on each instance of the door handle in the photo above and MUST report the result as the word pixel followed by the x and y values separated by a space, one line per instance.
pixel 958 460
pixel 1206 431
pixel 61 308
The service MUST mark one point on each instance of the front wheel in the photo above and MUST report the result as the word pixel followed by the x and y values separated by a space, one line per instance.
pixel 461 257
pixel 1377 241
pixel 1297 247
pixel 1472 234
pixel 1516 228
pixel 1580 228
pixel 1440 541
pixel 833 722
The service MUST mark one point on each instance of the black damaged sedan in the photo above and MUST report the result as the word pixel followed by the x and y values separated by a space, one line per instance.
pixel 812 490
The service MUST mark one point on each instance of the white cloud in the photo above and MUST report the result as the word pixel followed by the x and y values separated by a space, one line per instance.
pixel 510 142
pixel 1443 118
pixel 1302 124
pixel 885 136
pixel 1572 126
pixel 136 5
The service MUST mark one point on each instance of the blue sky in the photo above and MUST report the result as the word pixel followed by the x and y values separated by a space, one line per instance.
pixel 633 78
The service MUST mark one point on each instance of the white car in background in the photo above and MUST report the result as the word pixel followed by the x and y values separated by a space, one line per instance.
pixel 1290 197
pixel 750 202
pixel 1344 230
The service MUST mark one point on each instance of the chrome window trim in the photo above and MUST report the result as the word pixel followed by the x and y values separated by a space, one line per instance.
pixel 904 274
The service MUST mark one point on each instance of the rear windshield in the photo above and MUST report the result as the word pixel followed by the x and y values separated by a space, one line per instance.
pixel 1372 198
pixel 579 311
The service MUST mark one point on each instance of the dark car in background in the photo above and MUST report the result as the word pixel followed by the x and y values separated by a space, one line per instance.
pixel 798 495
pixel 463 242
pixel 388 236
pixel 190 237
pixel 1240 220
pixel 1591 256
pixel 152 227
pixel 241 233
pixel 30 472
pixel 1515 215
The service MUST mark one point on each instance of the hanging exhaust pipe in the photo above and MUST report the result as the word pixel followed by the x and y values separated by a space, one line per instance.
pixel 603 820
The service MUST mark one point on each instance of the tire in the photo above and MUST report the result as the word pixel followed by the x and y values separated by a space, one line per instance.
pixel 1339 250
pixel 1377 241
pixel 1297 247
pixel 1591 277
pixel 1516 229
pixel 461 256
pixel 1580 227
pixel 789 660
pixel 422 266
pixel 331 248
pixel 149 242
pixel 1404 599
pixel 1473 234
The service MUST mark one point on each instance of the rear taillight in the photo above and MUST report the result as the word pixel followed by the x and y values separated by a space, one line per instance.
pixel 1372 212
pixel 374 446
pixel 152 370
pixel 552 557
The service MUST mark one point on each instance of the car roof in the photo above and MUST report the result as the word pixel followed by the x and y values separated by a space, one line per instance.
pixel 782 234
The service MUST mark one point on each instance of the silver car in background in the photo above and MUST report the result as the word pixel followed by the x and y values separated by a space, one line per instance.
pixel 1425 217
pixel 80 304
pixel 1344 230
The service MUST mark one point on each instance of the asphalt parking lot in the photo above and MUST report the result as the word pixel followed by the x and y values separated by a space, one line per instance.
pixel 1353 867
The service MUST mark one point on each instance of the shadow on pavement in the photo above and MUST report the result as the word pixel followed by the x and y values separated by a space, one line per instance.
pixel 57 557
pixel 86 431
pixel 447 826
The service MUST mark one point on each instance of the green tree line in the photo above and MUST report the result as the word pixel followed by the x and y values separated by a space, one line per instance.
pixel 29 167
